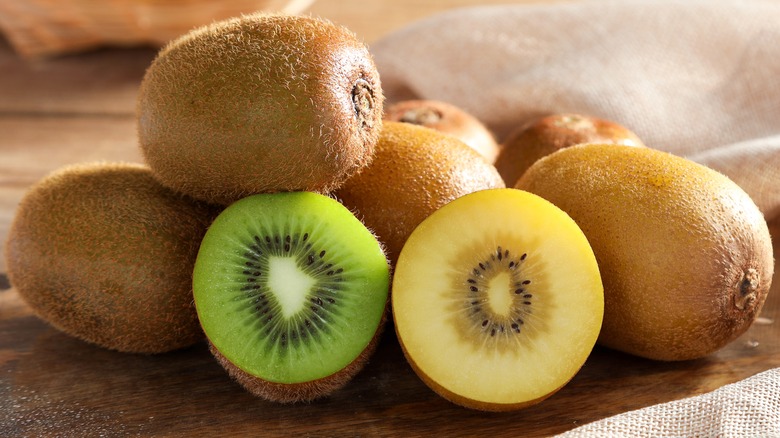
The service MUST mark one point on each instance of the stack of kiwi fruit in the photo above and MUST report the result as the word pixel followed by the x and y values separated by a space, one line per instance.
pixel 284 214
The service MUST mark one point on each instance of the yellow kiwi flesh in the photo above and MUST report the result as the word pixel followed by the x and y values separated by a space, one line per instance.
pixel 545 135
pixel 685 254
pixel 415 171
pixel 497 300
pixel 105 253
pixel 259 103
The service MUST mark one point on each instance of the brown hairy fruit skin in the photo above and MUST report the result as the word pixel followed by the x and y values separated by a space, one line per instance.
pixel 291 393
pixel 261 103
pixel 104 252
pixel 447 118
pixel 685 254
pixel 415 171
pixel 546 135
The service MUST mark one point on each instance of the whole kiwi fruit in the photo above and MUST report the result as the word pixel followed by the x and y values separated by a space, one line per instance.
pixel 448 118
pixel 416 171
pixel 684 253
pixel 545 135
pixel 105 253
pixel 259 103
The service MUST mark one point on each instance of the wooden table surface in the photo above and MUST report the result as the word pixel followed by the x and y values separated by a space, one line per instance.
pixel 80 108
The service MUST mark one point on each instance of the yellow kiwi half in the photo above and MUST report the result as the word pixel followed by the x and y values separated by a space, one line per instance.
pixel 497 300
pixel 415 171
pixel 685 254
pixel 105 253
pixel 260 103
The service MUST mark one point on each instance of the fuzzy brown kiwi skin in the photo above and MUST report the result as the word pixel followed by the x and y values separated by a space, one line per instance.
pixel 301 392
pixel 104 253
pixel 545 135
pixel 685 255
pixel 415 171
pixel 446 118
pixel 260 103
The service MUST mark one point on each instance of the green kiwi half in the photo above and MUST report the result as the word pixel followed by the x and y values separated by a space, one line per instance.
pixel 291 290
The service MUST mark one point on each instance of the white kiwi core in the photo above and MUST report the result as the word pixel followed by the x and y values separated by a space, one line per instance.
pixel 289 284
pixel 499 294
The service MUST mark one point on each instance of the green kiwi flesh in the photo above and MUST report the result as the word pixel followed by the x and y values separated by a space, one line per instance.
pixel 291 290
pixel 105 253
pixel 260 103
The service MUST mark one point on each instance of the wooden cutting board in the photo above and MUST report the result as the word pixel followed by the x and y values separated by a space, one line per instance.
pixel 80 108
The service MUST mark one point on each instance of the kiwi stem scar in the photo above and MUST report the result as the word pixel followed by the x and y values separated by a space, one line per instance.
pixel 747 289
pixel 422 116
pixel 363 101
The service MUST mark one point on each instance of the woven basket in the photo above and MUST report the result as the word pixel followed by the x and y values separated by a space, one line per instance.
pixel 37 28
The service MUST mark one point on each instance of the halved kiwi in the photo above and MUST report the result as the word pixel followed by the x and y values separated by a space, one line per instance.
pixel 291 290
pixel 497 300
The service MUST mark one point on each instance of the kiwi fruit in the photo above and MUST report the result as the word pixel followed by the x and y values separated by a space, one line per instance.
pixel 685 254
pixel 104 252
pixel 259 103
pixel 415 171
pixel 547 134
pixel 497 300
pixel 448 118
pixel 292 292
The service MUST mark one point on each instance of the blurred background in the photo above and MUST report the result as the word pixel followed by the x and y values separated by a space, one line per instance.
pixel 45 27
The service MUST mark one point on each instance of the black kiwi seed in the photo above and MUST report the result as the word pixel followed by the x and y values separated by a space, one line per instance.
pixel 477 286
pixel 311 321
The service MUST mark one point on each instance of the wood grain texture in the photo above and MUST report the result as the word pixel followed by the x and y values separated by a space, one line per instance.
pixel 81 108
pixel 53 384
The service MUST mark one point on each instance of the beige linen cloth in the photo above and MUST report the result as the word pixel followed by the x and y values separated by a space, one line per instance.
pixel 700 79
